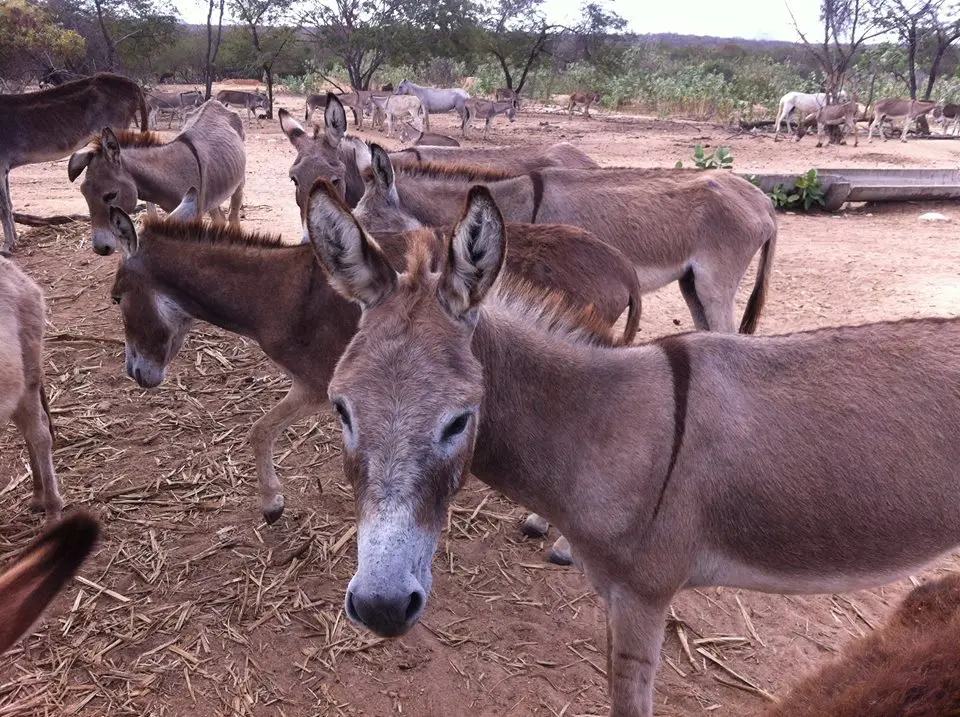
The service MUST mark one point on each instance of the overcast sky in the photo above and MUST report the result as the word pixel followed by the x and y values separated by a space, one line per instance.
pixel 752 19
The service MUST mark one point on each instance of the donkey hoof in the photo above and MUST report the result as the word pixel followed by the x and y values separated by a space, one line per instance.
pixel 5 252
pixel 560 553
pixel 272 512
pixel 534 526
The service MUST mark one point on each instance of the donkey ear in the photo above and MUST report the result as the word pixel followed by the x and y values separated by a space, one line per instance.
pixel 30 584
pixel 293 129
pixel 356 264
pixel 335 119
pixel 110 145
pixel 362 154
pixel 125 233
pixel 189 207
pixel 382 168
pixel 79 161
pixel 477 249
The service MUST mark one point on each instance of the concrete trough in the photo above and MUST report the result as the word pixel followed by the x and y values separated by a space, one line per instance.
pixel 857 184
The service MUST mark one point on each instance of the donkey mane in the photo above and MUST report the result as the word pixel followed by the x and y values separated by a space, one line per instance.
pixel 199 230
pixel 130 138
pixel 551 311
pixel 449 170
pixel 548 310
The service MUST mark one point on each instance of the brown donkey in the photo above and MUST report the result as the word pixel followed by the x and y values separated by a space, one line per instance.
pixel 331 154
pixel 50 124
pixel 208 154
pixel 908 668
pixel 42 570
pixel 22 397
pixel 176 272
pixel 821 461
pixel 701 229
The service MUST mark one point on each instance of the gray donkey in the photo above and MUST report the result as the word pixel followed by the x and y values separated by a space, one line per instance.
pixel 50 124
pixel 208 153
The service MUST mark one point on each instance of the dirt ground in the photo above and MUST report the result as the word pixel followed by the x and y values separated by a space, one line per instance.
pixel 192 605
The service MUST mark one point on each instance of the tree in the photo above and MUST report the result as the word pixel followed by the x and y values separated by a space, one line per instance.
pixel 272 27
pixel 213 46
pixel 925 30
pixel 847 25
pixel 517 34
pixel 121 21
pixel 364 34
pixel 31 40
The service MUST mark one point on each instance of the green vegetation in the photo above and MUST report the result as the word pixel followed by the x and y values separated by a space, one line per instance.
pixel 807 193
pixel 720 158
pixel 311 44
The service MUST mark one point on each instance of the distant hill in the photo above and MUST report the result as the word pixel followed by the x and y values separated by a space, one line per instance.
pixel 675 40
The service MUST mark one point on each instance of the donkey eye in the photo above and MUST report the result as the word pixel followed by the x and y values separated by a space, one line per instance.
pixel 457 426
pixel 342 410
pixel 335 181
pixel 109 197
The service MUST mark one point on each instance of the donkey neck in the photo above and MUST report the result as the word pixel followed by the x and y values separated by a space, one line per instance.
pixel 279 297
pixel 552 409
pixel 162 173
pixel 232 287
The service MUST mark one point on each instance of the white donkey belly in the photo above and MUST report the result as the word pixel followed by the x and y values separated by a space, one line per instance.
pixel 715 569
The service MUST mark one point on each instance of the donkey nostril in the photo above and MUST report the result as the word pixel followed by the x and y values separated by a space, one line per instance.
pixel 414 606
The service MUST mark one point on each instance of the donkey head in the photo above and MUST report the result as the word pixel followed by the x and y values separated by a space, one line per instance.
pixel 154 323
pixel 321 155
pixel 408 390
pixel 380 209
pixel 106 184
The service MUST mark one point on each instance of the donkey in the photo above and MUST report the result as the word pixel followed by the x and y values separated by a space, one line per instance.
pixel 251 100
pixel 434 99
pixel 22 396
pixel 820 461
pixel 584 98
pixel 842 115
pixel 907 110
pixel 397 108
pixel 910 666
pixel 331 154
pixel 804 104
pixel 42 571
pixel 944 115
pixel 50 124
pixel 505 93
pixel 645 213
pixel 486 110
pixel 173 103
pixel 356 101
pixel 177 271
pixel 120 167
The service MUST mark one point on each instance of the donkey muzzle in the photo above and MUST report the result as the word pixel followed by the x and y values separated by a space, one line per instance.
pixel 387 611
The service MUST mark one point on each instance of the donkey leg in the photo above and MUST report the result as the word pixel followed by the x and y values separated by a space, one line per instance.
pixel 299 403
pixel 6 214
pixel 236 201
pixel 716 295
pixel 635 634
pixel 689 291
pixel 906 128
pixel 32 422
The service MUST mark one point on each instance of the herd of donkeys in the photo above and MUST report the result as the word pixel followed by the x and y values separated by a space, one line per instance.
pixel 459 309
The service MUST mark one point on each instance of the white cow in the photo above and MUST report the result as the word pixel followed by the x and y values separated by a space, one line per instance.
pixel 804 103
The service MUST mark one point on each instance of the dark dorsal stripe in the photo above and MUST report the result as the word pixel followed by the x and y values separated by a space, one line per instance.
pixel 678 357
pixel 196 155
pixel 537 180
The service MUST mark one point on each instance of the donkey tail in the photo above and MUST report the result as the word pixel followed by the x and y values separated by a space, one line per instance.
pixel 144 118
pixel 46 409
pixel 634 307
pixel 759 294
